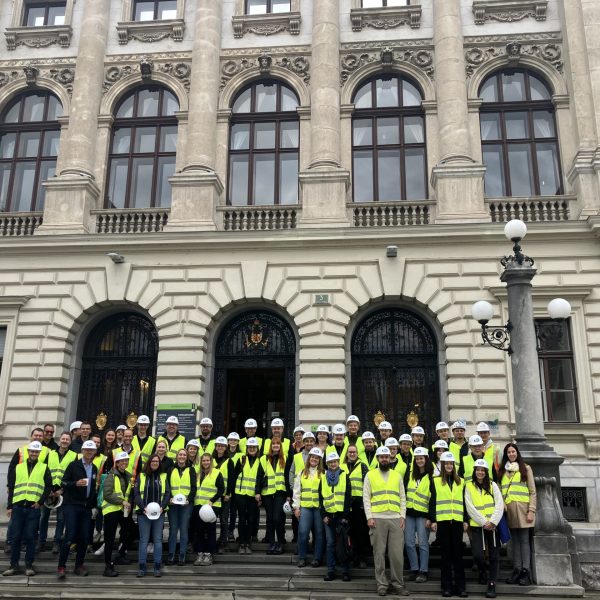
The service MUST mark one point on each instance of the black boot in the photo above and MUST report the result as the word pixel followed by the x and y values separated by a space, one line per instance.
pixel 491 591
pixel 514 578
pixel 525 578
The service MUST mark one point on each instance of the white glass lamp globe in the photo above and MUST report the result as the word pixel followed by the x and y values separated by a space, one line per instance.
pixel 515 230
pixel 559 308
pixel 482 311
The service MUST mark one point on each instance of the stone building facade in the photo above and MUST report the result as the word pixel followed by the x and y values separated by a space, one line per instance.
pixel 313 272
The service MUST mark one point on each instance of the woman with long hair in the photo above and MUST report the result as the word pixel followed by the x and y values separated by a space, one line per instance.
pixel 418 494
pixel 323 438
pixel 108 445
pixel 446 509
pixel 166 463
pixel 438 449
pixel 225 464
pixel 274 494
pixel 520 500
pixel 306 507
pixel 483 500
pixel 152 486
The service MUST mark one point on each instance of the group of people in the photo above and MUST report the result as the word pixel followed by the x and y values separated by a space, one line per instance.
pixel 357 491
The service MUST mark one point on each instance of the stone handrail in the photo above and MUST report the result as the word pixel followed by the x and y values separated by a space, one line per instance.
pixel 143 220
pixel 259 218
pixel 20 224
pixel 391 214
pixel 546 208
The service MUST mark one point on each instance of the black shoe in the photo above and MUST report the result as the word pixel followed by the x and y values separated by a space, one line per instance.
pixel 109 572
pixel 271 549
pixel 514 578
pixel 301 563
pixel 491 591
pixel 122 560
pixel 346 577
pixel 170 561
pixel 329 577
pixel 263 541
pixel 413 575
pixel 463 594
pixel 278 549
pixel 181 562
pixel 482 580
pixel 446 594
pixel 525 578
pixel 315 563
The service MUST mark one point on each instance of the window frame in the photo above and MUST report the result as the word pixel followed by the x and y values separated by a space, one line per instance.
pixel 268 23
pixel 269 6
pixel 386 16
pixel 530 107
pixel 157 4
pixel 46 6
pixel 149 31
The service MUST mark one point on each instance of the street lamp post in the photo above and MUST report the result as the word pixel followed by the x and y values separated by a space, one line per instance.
pixel 554 555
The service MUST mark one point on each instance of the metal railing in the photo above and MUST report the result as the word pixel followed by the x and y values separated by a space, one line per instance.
pixel 391 214
pixel 146 220
pixel 530 209
pixel 258 218
pixel 20 224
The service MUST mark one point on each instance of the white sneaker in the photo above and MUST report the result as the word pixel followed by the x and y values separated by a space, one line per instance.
pixel 199 560
pixel 208 559
pixel 150 548
pixel 100 551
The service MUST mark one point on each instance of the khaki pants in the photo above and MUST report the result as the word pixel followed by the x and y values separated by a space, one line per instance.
pixel 388 534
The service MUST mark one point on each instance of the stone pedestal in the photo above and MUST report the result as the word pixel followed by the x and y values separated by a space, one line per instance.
pixel 324 198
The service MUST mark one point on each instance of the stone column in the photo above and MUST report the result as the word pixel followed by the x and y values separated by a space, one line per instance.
pixel 197 188
pixel 581 175
pixel 457 178
pixel 71 195
pixel 325 184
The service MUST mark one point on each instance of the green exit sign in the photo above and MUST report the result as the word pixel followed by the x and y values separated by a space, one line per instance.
pixel 322 299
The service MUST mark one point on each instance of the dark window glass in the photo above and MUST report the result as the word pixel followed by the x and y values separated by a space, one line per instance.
pixel 557 371
pixel 263 7
pixel 518 136
pixel 388 138
pixel 29 139
pixel 40 14
pixel 142 155
pixel 264 142
pixel 154 10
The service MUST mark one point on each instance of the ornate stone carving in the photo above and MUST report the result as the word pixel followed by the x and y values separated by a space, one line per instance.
pixel 31 74
pixel 65 77
pixel 150 31
pixel 38 37
pixel 264 63
pixel 385 17
pixel 299 65
pixel 145 67
pixel 508 11
pixel 268 24
pixel 420 58
pixel 592 447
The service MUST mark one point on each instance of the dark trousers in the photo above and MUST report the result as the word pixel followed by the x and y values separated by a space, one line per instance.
pixel 247 515
pixel 78 526
pixel 232 515
pixel 275 517
pixel 25 520
pixel 482 540
pixel 111 522
pixel 224 521
pixel 207 537
pixel 450 535
pixel 294 528
pixel 331 538
pixel 359 530
pixel 45 518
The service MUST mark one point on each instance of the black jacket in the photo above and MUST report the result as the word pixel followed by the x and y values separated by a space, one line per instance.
pixel 73 494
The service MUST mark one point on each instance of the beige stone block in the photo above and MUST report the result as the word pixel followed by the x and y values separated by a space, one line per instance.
pixel 586 265
pixel 72 307
pixel 185 370
pixel 167 275
pixel 39 277
pixel 20 290
pixel 496 368
pixel 22 386
pixel 321 352
pixel 327 368
pixel 456 353
pixel 461 283
pixel 274 281
pixel 460 384
pixel 316 416
pixel 489 383
pixel 28 344
pixel 480 267
pixel 69 276
pixel 177 288
pixel 21 359
pixel 173 386
pixel 440 302
pixel 325 340
pixel 9 277
pixel 97 285
pixel 204 273
pixel 427 290
pixel 560 266
pixel 322 384
pixel 454 368
pixel 220 294
pixel 41 304
pixel 56 290
pixel 495 401
pixel 300 303
pixel 56 357
pixel 435 269
pixel 358 291
pixel 371 281
pixel 182 352
pixel 450 314
pixel 232 279
pixel 197 318
pixel 339 271
pixel 84 296
pixel 138 283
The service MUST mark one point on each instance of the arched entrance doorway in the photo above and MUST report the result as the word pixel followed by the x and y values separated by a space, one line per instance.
pixel 395 371
pixel 255 372
pixel 119 369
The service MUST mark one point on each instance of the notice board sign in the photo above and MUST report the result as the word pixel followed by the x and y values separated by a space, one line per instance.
pixel 186 413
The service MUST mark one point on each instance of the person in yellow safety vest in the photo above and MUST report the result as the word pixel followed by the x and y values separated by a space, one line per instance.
pixel 468 460
pixel 340 441
pixel 28 487
pixel 458 446
pixel 116 502
pixel 491 451
pixel 406 451
pixel 142 441
pixel 369 456
pixel 210 491
pixel 235 454
pixel 485 507
pixel 248 476
pixel 206 437
pixel 335 498
pixel 250 427
pixel 384 499
pixel 119 431
pixel 447 516
pixel 323 440
pixel 353 435
pixel 442 430
pixel 418 494
pixel 297 444
pixel 172 438
pixel 385 432
pixel 277 427
pixel 306 507
pixel 395 464
pixel 226 465
pixel 193 453
pixel 300 458
pixel 418 436
pixel 183 480
pixel 439 448
pixel 21 454
pixel 133 466
pixel 520 499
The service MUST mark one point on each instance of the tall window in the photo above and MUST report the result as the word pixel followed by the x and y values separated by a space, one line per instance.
pixel 142 154
pixel 388 141
pixel 557 371
pixel 518 136
pixel 2 344
pixel 154 10
pixel 263 7
pixel 380 3
pixel 29 137
pixel 264 141
pixel 39 14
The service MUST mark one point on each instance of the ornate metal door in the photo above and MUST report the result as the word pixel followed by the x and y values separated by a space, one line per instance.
pixel 257 348
pixel 395 372
pixel 119 369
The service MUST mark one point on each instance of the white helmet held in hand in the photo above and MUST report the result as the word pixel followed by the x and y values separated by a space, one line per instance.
pixel 153 511
pixel 207 514
pixel 287 508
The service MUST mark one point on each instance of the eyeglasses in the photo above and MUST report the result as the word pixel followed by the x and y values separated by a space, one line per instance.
pixel 49 431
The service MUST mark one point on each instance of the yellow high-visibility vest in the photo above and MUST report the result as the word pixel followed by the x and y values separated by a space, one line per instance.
pixel 246 481
pixel 355 478
pixel 449 501
pixel 418 494
pixel 110 508
pixel 29 486
pixel 309 490
pixel 207 489
pixel 385 495
pixel 333 498
pixel 483 503
pixel 180 484
pixel 275 476
pixel 145 451
pixel 513 489
pixel 57 466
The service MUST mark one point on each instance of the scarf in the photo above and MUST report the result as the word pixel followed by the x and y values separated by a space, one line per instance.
pixel 333 477
pixel 511 467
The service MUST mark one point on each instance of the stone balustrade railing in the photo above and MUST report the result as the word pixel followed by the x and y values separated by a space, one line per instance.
pixel 258 218
pixel 391 214
pixel 19 224
pixel 146 220
pixel 553 208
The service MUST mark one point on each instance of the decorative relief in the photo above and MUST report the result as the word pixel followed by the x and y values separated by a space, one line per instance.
pixel 385 17
pixel 145 67
pixel 38 37
pixel 30 73
pixel 508 11
pixel 150 31
pixel 268 24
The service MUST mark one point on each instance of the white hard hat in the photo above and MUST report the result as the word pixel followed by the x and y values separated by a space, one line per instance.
pixel 391 441
pixel 481 463
pixel 322 429
pixel 122 456
pixel 221 440
pixel 352 418
pixel 153 511
pixel 367 435
pixel 460 424
pixel 441 444
pixel 417 430
pixel 277 423
pixel 308 434
pixel 405 437
pixel 207 514
pixel 53 501
pixel 475 440
pixel 37 446
pixel 252 442
pixel 287 508
pixel 234 435
pixel 447 457
pixel 385 425
pixel 124 427
pixel 420 451
pixel 75 425
pixel 299 429
pixel 250 423
pixel 316 452
pixel 332 456
pixel 206 421
pixel 179 499
pixel 339 429
pixel 482 427
pixel 382 451
pixel 441 425
pixel 193 442
pixel 88 445
pixel 172 419
pixel 143 420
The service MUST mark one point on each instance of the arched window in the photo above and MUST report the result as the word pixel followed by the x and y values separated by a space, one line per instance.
pixel 264 141
pixel 388 141
pixel 29 137
pixel 518 136
pixel 142 153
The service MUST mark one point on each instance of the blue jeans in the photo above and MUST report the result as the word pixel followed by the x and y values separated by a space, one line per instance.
pixel 179 521
pixel 415 528
pixel 310 518
pixel 78 529
pixel 150 531
pixel 331 536
pixel 24 529
pixel 60 525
